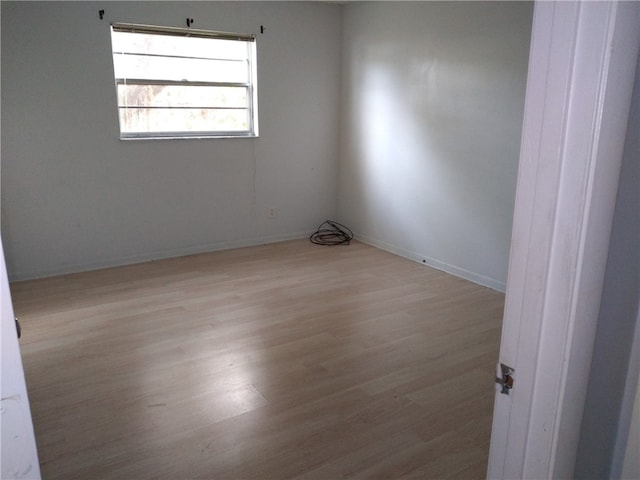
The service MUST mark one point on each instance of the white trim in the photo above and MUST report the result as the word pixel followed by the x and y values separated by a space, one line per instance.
pixel 19 453
pixel 434 263
pixel 581 71
pixel 157 255
pixel 264 240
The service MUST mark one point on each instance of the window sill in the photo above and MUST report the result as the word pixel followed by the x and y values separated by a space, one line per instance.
pixel 199 137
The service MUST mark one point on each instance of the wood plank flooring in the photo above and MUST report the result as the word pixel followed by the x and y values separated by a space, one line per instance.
pixel 284 361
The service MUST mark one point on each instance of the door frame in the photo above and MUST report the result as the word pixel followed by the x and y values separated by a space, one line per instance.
pixel 581 71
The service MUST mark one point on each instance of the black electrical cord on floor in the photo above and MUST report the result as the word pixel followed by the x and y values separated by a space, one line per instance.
pixel 331 233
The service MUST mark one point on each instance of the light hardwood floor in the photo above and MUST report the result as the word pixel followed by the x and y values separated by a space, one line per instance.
pixel 284 361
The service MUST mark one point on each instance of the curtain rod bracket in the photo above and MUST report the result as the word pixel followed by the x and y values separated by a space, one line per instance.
pixel 101 13
pixel 189 22
pixel 262 29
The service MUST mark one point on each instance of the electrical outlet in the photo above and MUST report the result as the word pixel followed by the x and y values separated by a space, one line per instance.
pixel 272 212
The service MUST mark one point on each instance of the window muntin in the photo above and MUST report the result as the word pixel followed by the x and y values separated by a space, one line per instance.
pixel 174 82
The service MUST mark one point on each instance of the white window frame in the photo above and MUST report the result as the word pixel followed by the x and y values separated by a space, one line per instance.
pixel 251 86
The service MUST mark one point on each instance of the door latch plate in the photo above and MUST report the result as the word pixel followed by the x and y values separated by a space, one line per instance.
pixel 506 381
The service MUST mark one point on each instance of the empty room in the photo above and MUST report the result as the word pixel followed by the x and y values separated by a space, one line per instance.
pixel 270 240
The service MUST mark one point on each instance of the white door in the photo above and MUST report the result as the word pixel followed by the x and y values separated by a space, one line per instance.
pixel 19 457
pixel 581 71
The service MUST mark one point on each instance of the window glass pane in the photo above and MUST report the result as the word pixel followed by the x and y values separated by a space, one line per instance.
pixel 182 120
pixel 179 46
pixel 182 96
pixel 181 69
pixel 180 85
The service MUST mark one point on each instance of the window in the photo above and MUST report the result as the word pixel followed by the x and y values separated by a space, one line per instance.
pixel 177 82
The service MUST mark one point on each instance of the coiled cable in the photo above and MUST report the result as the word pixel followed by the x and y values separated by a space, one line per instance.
pixel 331 233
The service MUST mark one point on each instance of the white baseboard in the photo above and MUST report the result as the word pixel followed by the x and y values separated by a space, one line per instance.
pixel 158 255
pixel 213 247
pixel 432 262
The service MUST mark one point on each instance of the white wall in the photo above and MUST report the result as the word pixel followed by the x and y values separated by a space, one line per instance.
pixel 430 128
pixel 75 197
pixel 433 97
